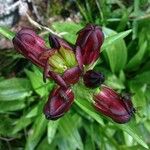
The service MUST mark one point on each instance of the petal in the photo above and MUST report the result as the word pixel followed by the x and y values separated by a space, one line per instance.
pixel 79 57
pixel 71 76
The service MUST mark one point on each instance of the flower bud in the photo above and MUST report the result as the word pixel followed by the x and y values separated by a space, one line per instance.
pixel 93 79
pixel 90 40
pixel 59 102
pixel 29 44
pixel 110 103
pixel 57 42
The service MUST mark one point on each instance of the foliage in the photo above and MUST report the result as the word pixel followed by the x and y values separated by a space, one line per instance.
pixel 125 61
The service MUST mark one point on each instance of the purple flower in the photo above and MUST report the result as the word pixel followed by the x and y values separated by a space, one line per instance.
pixel 110 103
pixel 59 61
pixel 59 102
pixel 93 79
pixel 88 44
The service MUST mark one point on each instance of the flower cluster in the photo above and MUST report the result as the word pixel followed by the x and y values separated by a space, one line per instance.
pixel 66 64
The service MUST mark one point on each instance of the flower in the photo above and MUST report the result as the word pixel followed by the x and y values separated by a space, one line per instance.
pixel 93 79
pixel 88 44
pixel 110 103
pixel 59 102
pixel 29 44
pixel 65 64
pixel 59 61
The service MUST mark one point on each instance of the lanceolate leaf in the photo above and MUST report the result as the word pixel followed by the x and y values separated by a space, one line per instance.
pixel 69 131
pixel 14 89
pixel 137 59
pixel 37 132
pixel 131 129
pixel 115 49
pixel 51 130
pixel 6 32
pixel 69 30
pixel 110 39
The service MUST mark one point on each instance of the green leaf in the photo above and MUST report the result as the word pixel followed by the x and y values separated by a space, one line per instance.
pixel 7 106
pixel 25 120
pixel 114 82
pixel 88 108
pixel 37 82
pixel 6 32
pixel 6 125
pixel 137 58
pixel 113 37
pixel 52 127
pixel 44 145
pixel 14 89
pixel 115 51
pixel 70 133
pixel 36 132
pixel 143 78
pixel 132 130
pixel 69 29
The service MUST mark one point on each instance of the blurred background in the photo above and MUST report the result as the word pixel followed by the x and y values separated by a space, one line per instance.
pixel 125 63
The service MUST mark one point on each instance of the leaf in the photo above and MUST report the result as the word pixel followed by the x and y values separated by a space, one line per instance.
pixel 137 58
pixel 37 82
pixel 111 39
pixel 115 51
pixel 14 89
pixel 83 96
pixel 131 129
pixel 143 77
pixel 6 125
pixel 6 106
pixel 70 133
pixel 36 132
pixel 6 33
pixel 44 145
pixel 114 82
pixel 51 130
pixel 25 120
pixel 70 30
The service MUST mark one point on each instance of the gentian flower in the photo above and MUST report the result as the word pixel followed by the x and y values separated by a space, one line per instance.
pixel 88 44
pixel 110 103
pixel 59 102
pixel 58 61
pixel 65 64
pixel 93 79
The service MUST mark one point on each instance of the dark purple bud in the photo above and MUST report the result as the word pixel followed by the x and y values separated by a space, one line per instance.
pixel 71 76
pixel 59 102
pixel 90 40
pixel 110 103
pixel 57 42
pixel 93 79
pixel 29 44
